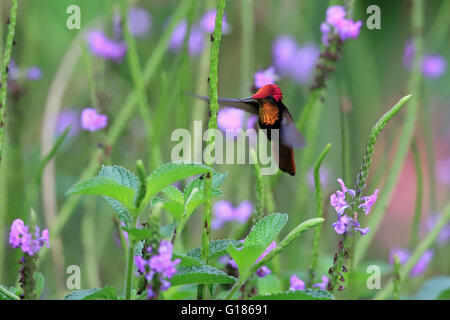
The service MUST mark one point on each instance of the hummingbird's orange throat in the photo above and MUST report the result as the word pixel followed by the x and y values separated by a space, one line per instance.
pixel 268 113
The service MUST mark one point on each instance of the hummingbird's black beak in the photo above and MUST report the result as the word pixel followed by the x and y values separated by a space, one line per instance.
pixel 249 99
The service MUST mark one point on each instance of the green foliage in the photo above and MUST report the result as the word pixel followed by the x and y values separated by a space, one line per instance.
pixel 307 294
pixel 262 234
pixel 217 248
pixel 138 234
pixel 200 274
pixel 187 261
pixel 106 293
pixel 268 285
pixel 40 284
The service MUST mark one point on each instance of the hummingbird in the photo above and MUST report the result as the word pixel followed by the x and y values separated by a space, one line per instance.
pixel 267 104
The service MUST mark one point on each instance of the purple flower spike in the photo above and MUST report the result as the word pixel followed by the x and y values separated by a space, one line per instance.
pixel 139 21
pixel 93 121
pixel 230 119
pixel 402 254
pixel 208 21
pixel 284 49
pixel 29 243
pixel 296 283
pixel 34 73
pixel 105 48
pixel 349 29
pixel 263 271
pixel 243 211
pixel 433 66
pixel 422 264
pixel 322 285
pixel 224 212
pixel 264 77
pixel 335 14
pixel 140 264
pixel 369 202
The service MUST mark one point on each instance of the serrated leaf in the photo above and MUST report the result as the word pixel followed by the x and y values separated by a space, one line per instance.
pixel 261 235
pixel 307 294
pixel 187 261
pixel 108 187
pixel 123 176
pixel 170 173
pixel 106 293
pixel 201 274
pixel 217 248
pixel 173 193
pixel 40 283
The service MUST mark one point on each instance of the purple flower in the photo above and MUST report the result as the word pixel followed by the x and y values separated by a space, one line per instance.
pixel 296 283
pixel 338 201
pixel 369 202
pixel 343 224
pixel 433 66
pixel 304 63
pixel 224 212
pixel 231 119
pixel 68 117
pixel 335 14
pixel 139 21
pixel 14 71
pixel 408 54
pixel 263 271
pixel 422 264
pixel 93 121
pixel 105 48
pixel 346 28
pixel 284 49
pixel 141 264
pixel 208 21
pixel 34 73
pixel 322 285
pixel 263 77
pixel 30 244
pixel 177 37
pixel 402 254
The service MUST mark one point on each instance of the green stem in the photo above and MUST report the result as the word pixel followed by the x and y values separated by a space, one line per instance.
pixel 319 214
pixel 423 246
pixel 8 293
pixel 129 270
pixel 206 237
pixel 4 72
pixel 396 279
pixel 404 139
pixel 247 41
pixel 259 188
pixel 419 194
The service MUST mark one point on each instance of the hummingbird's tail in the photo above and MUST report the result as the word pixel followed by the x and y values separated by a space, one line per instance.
pixel 285 159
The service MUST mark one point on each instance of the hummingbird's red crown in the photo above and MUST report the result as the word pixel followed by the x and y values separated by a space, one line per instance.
pixel 269 90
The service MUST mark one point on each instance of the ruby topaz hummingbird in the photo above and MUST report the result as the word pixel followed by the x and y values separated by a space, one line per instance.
pixel 272 114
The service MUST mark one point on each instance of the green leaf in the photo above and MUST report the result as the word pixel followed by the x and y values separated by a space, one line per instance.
pixel 433 288
pixel 173 193
pixel 201 274
pixel 187 261
pixel 40 283
pixel 175 208
pixel 217 248
pixel 138 234
pixel 170 173
pixel 307 294
pixel 105 187
pixel 106 293
pixel 268 285
pixel 262 234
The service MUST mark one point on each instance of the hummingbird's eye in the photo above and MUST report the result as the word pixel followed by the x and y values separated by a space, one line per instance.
pixel 269 97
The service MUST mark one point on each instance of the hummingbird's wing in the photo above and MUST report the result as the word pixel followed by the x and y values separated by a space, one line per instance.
pixel 243 104
pixel 289 134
